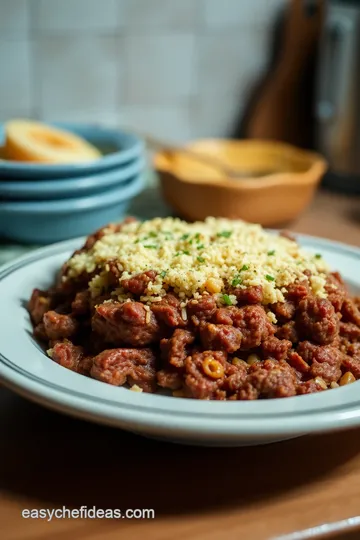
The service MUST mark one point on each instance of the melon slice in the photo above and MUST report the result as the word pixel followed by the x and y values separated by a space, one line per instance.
pixel 26 140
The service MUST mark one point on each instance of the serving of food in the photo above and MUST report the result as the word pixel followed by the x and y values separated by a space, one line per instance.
pixel 36 142
pixel 213 310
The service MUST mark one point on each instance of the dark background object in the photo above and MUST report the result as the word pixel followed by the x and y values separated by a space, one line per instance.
pixel 281 107
pixel 337 104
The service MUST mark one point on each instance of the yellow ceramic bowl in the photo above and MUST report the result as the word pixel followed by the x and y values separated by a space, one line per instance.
pixel 278 180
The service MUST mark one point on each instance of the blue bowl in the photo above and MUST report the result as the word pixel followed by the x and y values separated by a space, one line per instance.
pixel 70 187
pixel 119 148
pixel 44 222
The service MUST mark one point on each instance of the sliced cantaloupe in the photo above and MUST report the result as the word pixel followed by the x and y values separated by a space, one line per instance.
pixel 26 140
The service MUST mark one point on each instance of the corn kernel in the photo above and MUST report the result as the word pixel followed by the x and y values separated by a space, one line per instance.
pixel 347 378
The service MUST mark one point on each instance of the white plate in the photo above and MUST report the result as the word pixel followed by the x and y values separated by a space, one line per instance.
pixel 26 369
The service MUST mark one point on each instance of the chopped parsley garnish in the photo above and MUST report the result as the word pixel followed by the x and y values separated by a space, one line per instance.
pixel 200 259
pixel 318 256
pixel 137 241
pixel 184 237
pixel 186 252
pixel 244 267
pixel 201 246
pixel 163 274
pixel 226 299
pixel 197 236
pixel 272 252
pixel 150 246
pixel 152 234
pixel 236 281
pixel 270 278
pixel 225 234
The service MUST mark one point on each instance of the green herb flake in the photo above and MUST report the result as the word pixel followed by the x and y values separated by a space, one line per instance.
pixel 224 234
pixel 200 259
pixel 226 299
pixel 152 234
pixel 150 246
pixel 201 246
pixel 236 281
pixel 184 237
pixel 318 256
pixel 272 252
pixel 185 252
pixel 163 274
pixel 137 241
pixel 270 278
pixel 244 267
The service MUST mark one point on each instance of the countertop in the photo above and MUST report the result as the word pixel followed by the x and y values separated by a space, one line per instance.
pixel 304 488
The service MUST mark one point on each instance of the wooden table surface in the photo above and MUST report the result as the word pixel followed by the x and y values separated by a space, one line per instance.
pixel 303 488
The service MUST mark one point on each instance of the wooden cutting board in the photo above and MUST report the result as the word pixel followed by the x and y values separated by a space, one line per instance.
pixel 283 109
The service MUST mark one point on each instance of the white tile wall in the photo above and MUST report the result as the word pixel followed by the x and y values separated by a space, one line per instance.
pixel 229 62
pixel 179 69
pixel 14 18
pixel 177 15
pixel 215 115
pixel 75 15
pixel 166 123
pixel 160 68
pixel 240 13
pixel 15 87
pixel 78 73
pixel 100 116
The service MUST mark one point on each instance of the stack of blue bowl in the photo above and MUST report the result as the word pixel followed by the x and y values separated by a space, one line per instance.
pixel 45 203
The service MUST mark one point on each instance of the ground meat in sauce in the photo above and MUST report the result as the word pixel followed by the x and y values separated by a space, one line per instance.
pixel 138 284
pixel 169 312
pixel 38 305
pixel 352 364
pixel 171 379
pixel 81 303
pixel 39 332
pixel 72 357
pixel 349 330
pixel 297 362
pixel 127 323
pixel 336 290
pixel 221 337
pixel 203 350
pixel 117 366
pixel 175 349
pixel 350 312
pixel 199 385
pixel 270 379
pixel 283 311
pixel 276 348
pixel 297 291
pixel 58 326
pixel 254 326
pixel 288 331
pixel 202 309
pixel 249 295
pixel 316 320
